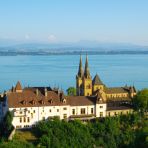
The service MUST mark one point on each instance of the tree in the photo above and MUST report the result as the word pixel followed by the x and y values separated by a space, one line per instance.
pixel 71 91
pixel 7 123
pixel 141 101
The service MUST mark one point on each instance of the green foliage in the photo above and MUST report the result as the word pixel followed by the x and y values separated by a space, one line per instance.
pixel 124 131
pixel 8 121
pixel 16 144
pixel 111 132
pixel 71 91
pixel 58 133
pixel 141 100
pixel 6 125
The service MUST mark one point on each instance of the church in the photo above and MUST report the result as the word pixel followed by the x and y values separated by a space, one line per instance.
pixel 86 86
pixel 29 105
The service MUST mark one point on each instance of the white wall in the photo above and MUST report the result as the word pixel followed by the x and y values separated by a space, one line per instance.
pixel 36 114
pixel 101 108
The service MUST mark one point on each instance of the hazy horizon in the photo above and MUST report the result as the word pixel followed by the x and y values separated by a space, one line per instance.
pixel 72 21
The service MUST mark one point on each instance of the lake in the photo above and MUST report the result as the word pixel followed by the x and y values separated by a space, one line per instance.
pixel 60 71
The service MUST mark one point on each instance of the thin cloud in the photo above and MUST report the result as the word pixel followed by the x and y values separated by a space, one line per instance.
pixel 27 36
pixel 51 38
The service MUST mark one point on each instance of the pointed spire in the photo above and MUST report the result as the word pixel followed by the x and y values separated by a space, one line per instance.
pixel 87 72
pixel 80 71
pixel 18 87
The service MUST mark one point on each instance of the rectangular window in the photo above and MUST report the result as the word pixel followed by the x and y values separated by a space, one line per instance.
pixel 92 110
pixel 20 120
pixel 20 112
pixel 64 116
pixel 109 114
pixel 57 110
pixel 34 111
pixel 28 119
pixel 73 111
pixel 101 106
pixel 115 113
pixel 28 111
pixel 50 110
pixel 24 119
pixel 64 108
pixel 31 115
pixel 82 110
pixel 101 114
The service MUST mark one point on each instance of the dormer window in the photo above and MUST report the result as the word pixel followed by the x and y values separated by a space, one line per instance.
pixel 33 102
pixel 42 102
pixel 50 101
pixel 64 100
pixel 24 102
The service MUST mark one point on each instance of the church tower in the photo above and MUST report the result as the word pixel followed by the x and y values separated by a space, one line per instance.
pixel 87 81
pixel 79 79
pixel 97 84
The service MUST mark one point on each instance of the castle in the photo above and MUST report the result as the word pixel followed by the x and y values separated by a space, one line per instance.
pixel 30 105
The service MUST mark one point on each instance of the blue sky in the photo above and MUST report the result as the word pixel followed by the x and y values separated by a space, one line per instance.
pixel 73 20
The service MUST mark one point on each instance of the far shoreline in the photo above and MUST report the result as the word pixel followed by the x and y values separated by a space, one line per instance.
pixel 8 53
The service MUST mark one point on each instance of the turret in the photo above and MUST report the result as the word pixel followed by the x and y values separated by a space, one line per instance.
pixel 18 87
pixel 132 91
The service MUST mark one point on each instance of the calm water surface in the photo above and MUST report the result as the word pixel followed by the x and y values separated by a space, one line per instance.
pixel 60 71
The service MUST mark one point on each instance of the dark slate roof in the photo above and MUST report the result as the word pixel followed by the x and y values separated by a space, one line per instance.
pixel 119 105
pixel 97 80
pixel 115 90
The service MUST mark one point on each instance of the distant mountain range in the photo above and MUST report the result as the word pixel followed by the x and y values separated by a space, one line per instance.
pixel 81 47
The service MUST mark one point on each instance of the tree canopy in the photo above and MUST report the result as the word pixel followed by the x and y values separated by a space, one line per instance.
pixel 124 131
pixel 71 91
pixel 141 100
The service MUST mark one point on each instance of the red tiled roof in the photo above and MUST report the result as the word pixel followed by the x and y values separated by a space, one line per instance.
pixel 29 98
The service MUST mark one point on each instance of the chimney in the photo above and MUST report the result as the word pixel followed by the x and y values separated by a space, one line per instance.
pixel 45 91
pixel 37 92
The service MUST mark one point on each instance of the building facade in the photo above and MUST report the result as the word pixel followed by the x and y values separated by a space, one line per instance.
pixel 30 105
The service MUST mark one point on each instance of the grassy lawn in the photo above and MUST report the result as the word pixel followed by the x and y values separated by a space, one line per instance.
pixel 25 135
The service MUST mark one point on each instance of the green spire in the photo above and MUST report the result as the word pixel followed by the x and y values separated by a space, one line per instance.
pixel 80 71
pixel 87 72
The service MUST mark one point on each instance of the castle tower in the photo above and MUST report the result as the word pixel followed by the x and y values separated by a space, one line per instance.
pixel 97 84
pixel 79 79
pixel 87 81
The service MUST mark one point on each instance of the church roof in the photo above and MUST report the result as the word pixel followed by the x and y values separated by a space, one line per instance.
pixel 97 80
pixel 115 90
